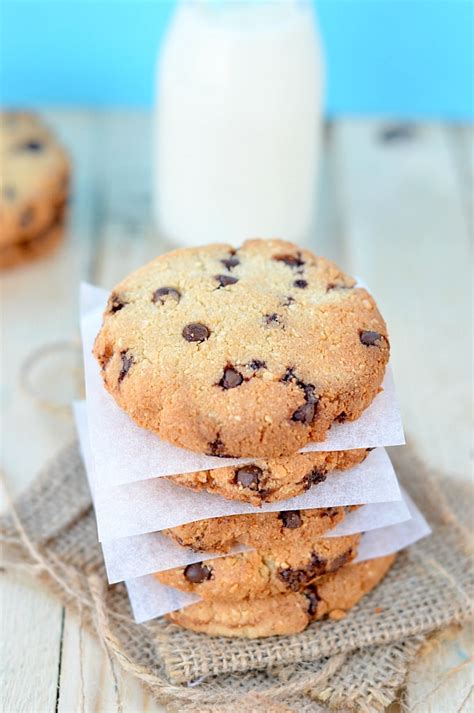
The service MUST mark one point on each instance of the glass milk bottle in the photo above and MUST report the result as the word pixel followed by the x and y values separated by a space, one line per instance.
pixel 238 123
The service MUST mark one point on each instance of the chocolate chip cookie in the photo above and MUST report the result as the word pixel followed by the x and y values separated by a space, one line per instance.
pixel 332 596
pixel 33 188
pixel 290 528
pixel 244 353
pixel 281 568
pixel 267 481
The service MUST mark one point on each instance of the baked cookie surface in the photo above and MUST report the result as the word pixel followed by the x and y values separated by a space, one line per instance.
pixel 280 569
pixel 243 353
pixel 289 528
pixel 332 596
pixel 268 481
pixel 34 181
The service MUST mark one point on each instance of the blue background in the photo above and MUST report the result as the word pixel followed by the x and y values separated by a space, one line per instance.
pixel 401 57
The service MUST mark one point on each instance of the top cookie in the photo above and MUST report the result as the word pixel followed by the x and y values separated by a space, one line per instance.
pixel 33 181
pixel 243 353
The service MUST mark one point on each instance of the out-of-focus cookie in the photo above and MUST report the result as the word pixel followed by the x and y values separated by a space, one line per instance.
pixel 332 596
pixel 42 244
pixel 34 181
pixel 252 352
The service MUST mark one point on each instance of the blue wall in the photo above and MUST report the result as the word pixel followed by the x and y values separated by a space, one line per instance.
pixel 401 57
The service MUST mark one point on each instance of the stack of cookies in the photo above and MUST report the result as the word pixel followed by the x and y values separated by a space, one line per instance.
pixel 252 354
pixel 34 187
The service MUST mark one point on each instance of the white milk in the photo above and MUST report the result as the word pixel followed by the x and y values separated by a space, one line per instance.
pixel 238 122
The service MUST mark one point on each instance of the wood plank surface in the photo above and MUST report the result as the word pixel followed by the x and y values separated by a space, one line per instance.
pixel 442 677
pixel 406 231
pixel 39 304
pixel 396 211
pixel 87 683
pixel 39 323
pixel 462 141
pixel 31 631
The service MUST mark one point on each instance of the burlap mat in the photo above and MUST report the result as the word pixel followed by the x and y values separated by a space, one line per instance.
pixel 358 663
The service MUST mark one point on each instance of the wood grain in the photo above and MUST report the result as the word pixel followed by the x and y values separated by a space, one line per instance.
pixel 405 232
pixel 39 306
pixel 87 683
pixel 31 631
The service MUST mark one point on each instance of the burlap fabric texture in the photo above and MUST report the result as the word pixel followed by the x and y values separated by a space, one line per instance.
pixel 358 663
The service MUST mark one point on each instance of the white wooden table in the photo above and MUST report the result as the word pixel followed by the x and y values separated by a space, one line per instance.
pixel 397 211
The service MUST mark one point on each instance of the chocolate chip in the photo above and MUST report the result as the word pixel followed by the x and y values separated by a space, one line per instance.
pixel 315 476
pixel 293 578
pixel 342 417
pixel 304 414
pixel 290 260
pixel 9 193
pixel 257 364
pixel 231 378
pixel 318 562
pixel 248 476
pixel 230 262
pixel 301 284
pixel 370 339
pixel 216 448
pixel 127 361
pixel 197 573
pixel 341 560
pixel 33 145
pixel 265 493
pixel 288 301
pixel 310 396
pixel 289 375
pixel 296 578
pixel 165 294
pixel 290 519
pixel 272 318
pixel 26 217
pixel 115 304
pixel 196 332
pixel 313 598
pixel 333 512
pixel 225 280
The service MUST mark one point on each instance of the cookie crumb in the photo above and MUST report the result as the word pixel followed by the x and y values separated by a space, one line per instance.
pixel 337 614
